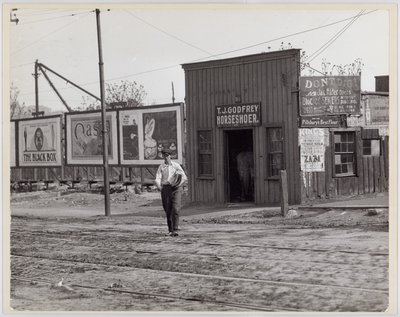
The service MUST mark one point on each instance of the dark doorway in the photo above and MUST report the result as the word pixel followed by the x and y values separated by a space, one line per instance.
pixel 239 165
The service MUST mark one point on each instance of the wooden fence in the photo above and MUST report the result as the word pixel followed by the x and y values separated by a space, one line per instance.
pixel 85 174
pixel 372 177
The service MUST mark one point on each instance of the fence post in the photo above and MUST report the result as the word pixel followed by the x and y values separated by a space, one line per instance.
pixel 283 187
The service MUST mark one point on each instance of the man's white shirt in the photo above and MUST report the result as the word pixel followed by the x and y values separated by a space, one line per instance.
pixel 166 174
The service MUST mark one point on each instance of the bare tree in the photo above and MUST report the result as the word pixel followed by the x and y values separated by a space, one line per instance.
pixel 331 69
pixel 17 110
pixel 352 69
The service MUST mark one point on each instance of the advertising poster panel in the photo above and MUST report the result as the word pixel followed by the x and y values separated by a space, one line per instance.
pixel 312 149
pixel 312 158
pixel 84 141
pixel 377 111
pixel 39 142
pixel 129 131
pixel 330 95
pixel 13 149
pixel 145 132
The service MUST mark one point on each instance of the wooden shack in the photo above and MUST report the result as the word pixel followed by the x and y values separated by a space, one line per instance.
pixel 356 158
pixel 343 136
pixel 243 104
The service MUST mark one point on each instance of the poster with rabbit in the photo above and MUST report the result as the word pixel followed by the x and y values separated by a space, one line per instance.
pixel 39 142
pixel 84 138
pixel 145 132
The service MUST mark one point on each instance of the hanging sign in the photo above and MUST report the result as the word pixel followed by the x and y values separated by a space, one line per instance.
pixel 240 115
pixel 320 122
pixel 323 95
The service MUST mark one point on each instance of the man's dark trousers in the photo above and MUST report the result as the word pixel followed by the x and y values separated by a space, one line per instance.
pixel 171 199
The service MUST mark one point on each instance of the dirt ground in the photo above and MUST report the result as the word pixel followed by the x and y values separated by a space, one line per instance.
pixel 66 258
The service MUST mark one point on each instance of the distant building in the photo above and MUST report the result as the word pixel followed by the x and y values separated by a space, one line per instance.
pixel 382 83
pixel 357 152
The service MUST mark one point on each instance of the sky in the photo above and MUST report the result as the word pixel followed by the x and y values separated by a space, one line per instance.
pixel 148 44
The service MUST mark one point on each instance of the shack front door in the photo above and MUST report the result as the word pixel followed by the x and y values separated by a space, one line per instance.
pixel 239 166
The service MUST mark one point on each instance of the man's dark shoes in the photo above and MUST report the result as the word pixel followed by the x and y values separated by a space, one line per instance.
pixel 174 234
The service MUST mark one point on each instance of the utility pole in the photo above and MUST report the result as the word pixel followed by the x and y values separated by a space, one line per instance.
pixel 173 92
pixel 36 75
pixel 103 120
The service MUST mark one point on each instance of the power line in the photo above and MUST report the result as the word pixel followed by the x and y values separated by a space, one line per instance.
pixel 283 37
pixel 43 12
pixel 224 53
pixel 47 35
pixel 54 18
pixel 333 39
pixel 170 35
pixel 314 69
pixel 22 65
pixel 328 43
pixel 243 48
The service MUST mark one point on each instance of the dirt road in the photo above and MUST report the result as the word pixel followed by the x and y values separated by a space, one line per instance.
pixel 317 261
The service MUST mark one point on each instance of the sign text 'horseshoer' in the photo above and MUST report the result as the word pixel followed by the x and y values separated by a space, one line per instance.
pixel 238 115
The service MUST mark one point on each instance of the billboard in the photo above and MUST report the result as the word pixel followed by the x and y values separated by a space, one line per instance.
pixel 84 141
pixel 39 142
pixel 145 131
pixel 376 110
pixel 330 95
pixel 13 148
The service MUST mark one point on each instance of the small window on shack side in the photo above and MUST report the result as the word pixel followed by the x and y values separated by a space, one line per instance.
pixel 344 153
pixel 205 158
pixel 371 147
pixel 275 158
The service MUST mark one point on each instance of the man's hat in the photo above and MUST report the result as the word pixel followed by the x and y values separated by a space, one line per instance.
pixel 166 151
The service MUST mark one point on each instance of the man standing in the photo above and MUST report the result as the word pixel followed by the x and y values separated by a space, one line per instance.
pixel 169 180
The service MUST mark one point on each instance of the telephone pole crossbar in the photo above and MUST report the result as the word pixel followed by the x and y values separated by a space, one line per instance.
pixel 54 88
pixel 68 81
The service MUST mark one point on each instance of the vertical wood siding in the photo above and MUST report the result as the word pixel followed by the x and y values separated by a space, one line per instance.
pixel 269 78
pixel 371 176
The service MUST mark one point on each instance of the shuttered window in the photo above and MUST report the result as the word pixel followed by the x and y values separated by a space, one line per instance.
pixel 371 147
pixel 275 147
pixel 205 159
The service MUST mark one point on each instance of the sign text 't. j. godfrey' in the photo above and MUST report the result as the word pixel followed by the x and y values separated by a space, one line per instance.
pixel 241 115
